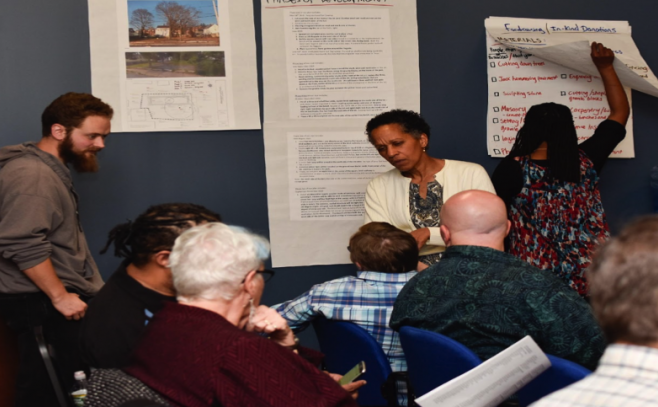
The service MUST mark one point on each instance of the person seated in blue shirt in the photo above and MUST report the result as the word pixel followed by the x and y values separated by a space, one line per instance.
pixel 386 258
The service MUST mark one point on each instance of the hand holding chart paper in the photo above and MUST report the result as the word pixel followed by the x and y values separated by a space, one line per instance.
pixel 532 61
pixel 567 42
pixel 493 381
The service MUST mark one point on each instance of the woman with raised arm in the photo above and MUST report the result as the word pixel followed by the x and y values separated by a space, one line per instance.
pixel 411 195
pixel 550 183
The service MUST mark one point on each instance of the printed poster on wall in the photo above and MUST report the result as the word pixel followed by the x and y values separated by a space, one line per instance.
pixel 185 65
pixel 533 61
pixel 328 67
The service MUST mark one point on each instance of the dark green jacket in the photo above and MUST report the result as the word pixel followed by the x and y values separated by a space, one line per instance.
pixel 487 300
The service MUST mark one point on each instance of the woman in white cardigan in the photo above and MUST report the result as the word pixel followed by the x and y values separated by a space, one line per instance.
pixel 410 196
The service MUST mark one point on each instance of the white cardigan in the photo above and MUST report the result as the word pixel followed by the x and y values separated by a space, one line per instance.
pixel 387 196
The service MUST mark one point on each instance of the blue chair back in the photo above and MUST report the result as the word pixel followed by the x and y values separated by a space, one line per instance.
pixel 345 344
pixel 434 359
pixel 561 374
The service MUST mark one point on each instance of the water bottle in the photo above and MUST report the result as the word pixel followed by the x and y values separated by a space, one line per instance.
pixel 79 391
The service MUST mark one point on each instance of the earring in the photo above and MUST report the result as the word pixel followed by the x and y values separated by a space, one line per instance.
pixel 252 312
pixel 252 309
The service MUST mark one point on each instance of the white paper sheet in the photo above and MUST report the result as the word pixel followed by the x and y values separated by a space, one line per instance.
pixel 328 175
pixel 493 381
pixel 316 185
pixel 566 42
pixel 532 61
pixel 339 62
pixel 199 77
pixel 327 69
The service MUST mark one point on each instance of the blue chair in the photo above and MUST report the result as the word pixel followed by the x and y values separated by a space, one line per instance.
pixel 345 344
pixel 434 359
pixel 561 374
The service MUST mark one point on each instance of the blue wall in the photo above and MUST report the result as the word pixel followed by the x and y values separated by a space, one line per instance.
pixel 44 52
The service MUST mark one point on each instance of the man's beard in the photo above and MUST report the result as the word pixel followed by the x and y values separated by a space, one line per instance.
pixel 84 161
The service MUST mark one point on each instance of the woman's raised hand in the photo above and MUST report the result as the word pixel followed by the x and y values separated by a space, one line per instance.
pixel 601 56
pixel 619 107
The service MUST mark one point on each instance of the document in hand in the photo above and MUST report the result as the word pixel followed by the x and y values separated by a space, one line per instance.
pixel 494 380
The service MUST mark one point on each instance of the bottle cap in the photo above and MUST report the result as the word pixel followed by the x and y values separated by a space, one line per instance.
pixel 79 375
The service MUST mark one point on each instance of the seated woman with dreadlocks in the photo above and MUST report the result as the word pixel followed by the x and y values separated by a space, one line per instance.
pixel 141 286
pixel 550 183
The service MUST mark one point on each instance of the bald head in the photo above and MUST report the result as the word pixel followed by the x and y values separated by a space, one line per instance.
pixel 475 218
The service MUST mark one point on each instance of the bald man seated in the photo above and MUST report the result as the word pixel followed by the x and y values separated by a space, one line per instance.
pixel 487 299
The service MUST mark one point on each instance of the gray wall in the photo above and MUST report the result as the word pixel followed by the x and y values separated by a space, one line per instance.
pixel 44 52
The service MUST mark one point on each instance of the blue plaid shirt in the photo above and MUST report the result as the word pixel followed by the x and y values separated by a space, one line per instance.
pixel 366 300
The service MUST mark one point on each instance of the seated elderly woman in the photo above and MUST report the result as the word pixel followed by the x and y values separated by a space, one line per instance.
pixel 204 350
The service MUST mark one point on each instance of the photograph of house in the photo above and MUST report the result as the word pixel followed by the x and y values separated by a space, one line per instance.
pixel 173 23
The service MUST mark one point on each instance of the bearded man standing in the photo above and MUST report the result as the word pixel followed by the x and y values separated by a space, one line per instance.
pixel 47 272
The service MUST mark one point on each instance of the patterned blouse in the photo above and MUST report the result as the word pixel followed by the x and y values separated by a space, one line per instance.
pixel 425 212
pixel 556 225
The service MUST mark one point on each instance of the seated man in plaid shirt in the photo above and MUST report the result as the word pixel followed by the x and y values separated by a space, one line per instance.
pixel 386 258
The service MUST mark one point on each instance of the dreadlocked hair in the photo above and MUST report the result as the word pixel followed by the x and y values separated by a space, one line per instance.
pixel 552 123
pixel 156 230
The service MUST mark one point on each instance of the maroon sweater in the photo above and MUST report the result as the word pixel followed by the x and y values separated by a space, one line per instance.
pixel 194 357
